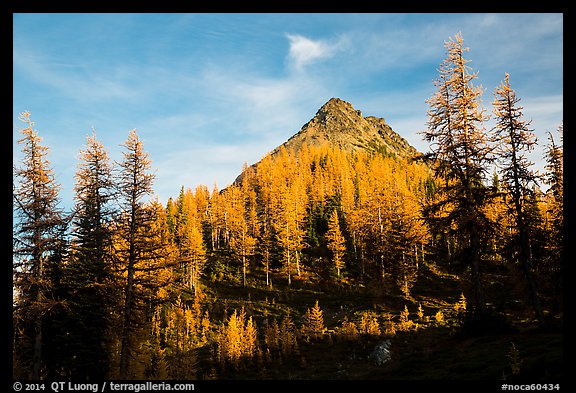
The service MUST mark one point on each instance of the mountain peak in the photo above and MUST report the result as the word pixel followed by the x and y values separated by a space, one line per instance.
pixel 337 112
pixel 336 104
pixel 337 123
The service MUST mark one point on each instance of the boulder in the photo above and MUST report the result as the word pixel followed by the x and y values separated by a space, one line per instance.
pixel 381 353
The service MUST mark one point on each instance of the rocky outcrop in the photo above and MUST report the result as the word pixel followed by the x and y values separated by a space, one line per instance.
pixel 381 353
pixel 339 124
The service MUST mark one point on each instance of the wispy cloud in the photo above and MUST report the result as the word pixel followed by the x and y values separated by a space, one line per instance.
pixel 72 80
pixel 209 92
pixel 304 51
pixel 242 116
pixel 262 106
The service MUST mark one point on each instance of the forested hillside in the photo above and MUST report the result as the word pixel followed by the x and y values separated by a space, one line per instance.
pixel 342 254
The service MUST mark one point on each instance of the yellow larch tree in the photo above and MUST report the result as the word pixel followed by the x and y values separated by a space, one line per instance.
pixel 461 155
pixel 313 326
pixel 336 242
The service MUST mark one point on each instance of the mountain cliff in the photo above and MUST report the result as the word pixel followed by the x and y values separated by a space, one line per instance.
pixel 339 124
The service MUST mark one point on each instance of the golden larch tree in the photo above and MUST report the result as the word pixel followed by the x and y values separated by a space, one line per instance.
pixel 514 140
pixel 336 242
pixel 461 155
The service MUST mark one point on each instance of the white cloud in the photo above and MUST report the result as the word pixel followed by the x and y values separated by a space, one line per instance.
pixel 304 51
pixel 263 107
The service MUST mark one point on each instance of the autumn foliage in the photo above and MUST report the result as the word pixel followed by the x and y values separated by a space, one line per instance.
pixel 252 276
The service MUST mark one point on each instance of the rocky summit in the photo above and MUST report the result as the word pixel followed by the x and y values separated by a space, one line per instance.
pixel 337 123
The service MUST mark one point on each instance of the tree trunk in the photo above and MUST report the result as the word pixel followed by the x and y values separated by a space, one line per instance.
pixel 297 256
pixel 288 268
pixel 478 294
pixel 267 259
pixel 127 325
pixel 244 270
pixel 526 263
pixel 37 357
pixel 37 354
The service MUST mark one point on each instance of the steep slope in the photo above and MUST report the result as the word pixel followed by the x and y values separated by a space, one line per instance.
pixel 339 124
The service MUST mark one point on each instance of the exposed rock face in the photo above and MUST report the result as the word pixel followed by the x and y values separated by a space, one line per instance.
pixel 339 124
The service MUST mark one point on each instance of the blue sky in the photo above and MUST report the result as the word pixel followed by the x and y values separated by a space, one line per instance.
pixel 208 92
